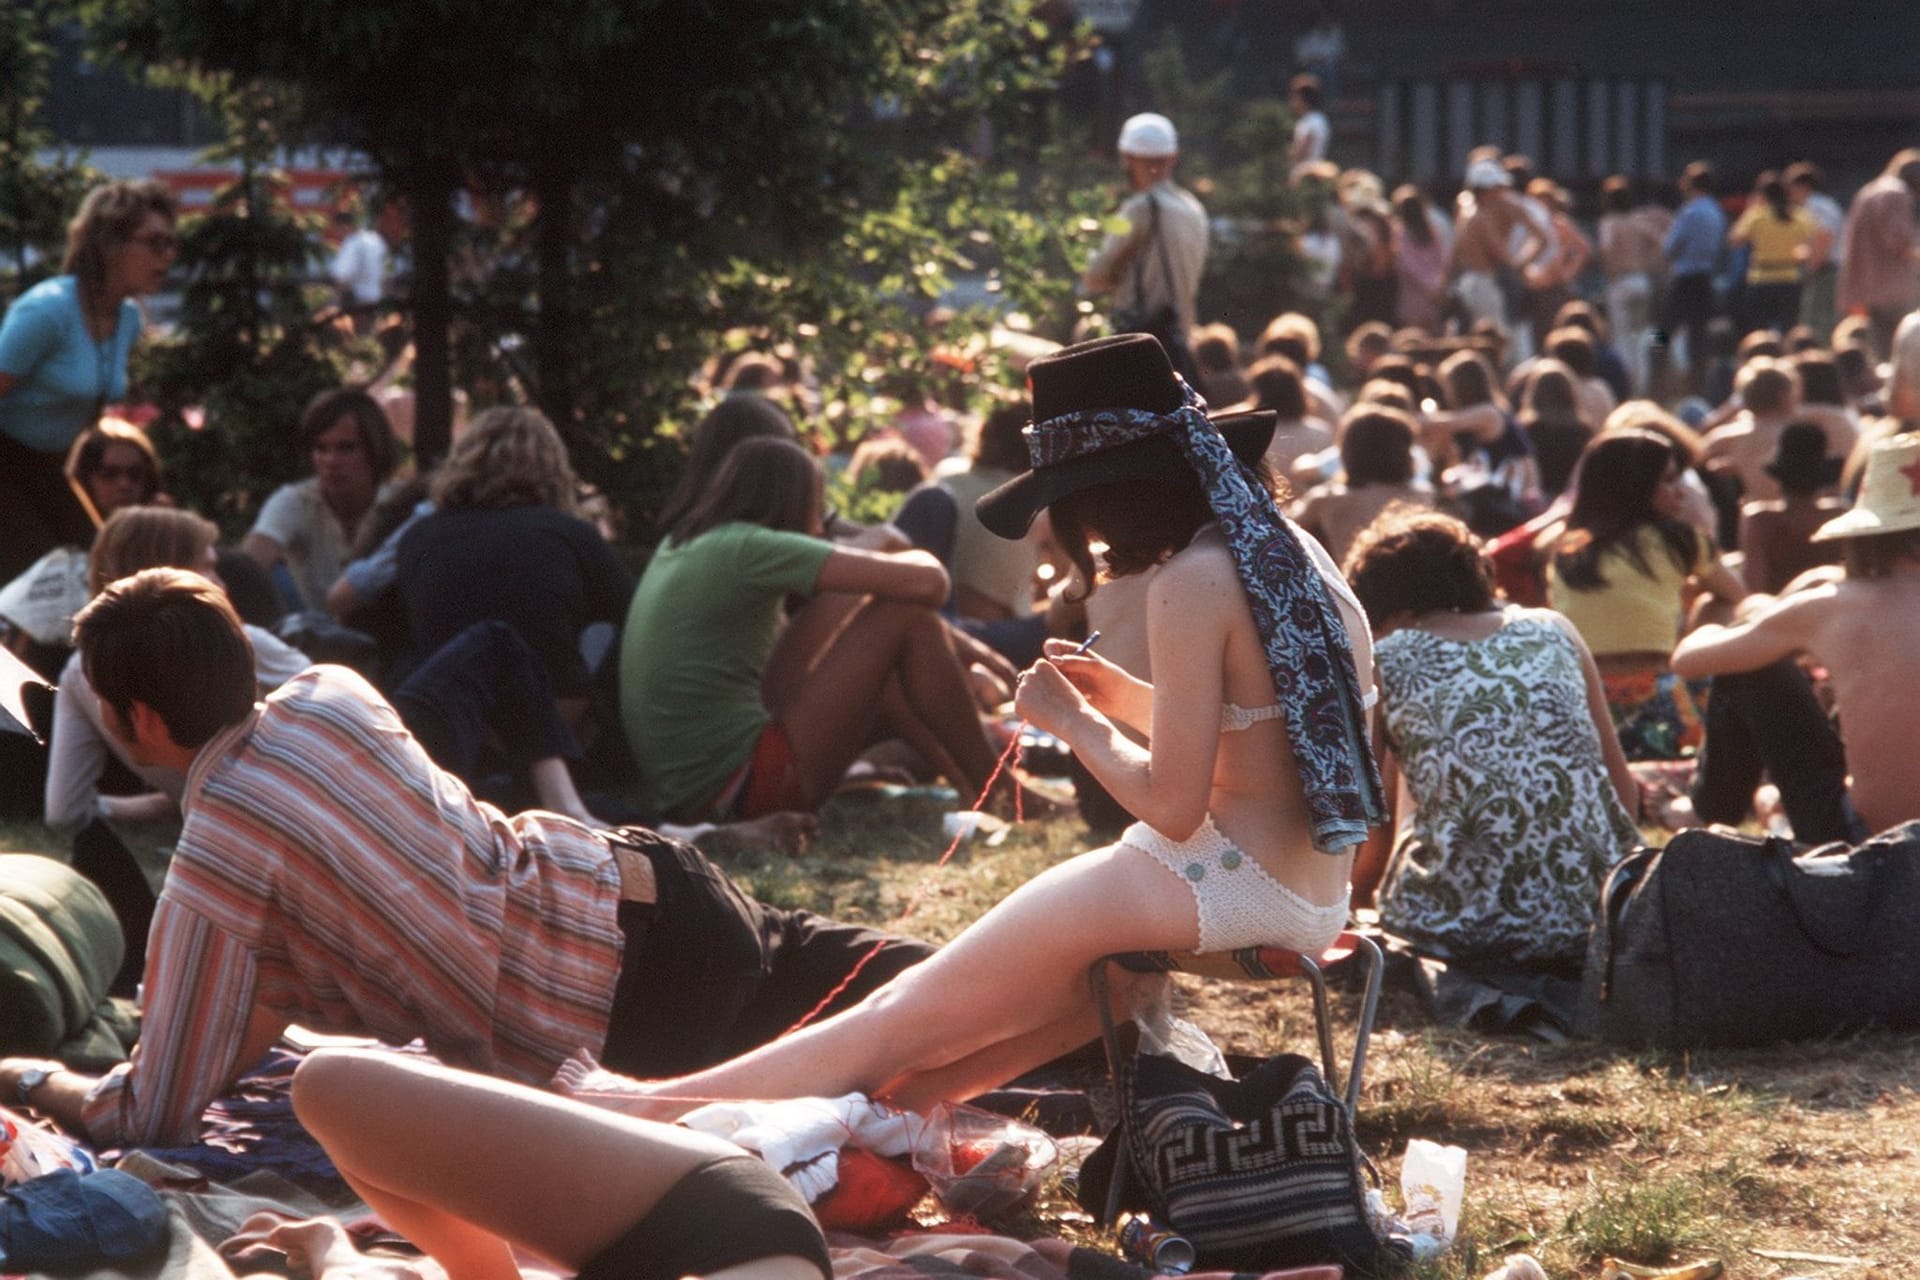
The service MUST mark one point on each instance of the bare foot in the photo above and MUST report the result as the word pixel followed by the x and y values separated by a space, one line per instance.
pixel 786 832
pixel 322 1249
pixel 582 1078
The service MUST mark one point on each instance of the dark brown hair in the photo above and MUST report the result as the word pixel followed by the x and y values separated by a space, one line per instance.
pixel 369 419
pixel 1278 385
pixel 1414 561
pixel 1142 522
pixel 741 416
pixel 90 451
pixel 765 481
pixel 1618 475
pixel 170 639
pixel 1876 555
pixel 1376 445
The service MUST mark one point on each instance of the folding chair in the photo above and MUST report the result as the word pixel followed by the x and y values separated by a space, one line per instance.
pixel 1249 964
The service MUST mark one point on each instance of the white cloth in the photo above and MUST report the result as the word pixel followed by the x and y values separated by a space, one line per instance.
pixel 43 599
pixel 801 1137
pixel 1310 134
pixel 360 266
pixel 310 537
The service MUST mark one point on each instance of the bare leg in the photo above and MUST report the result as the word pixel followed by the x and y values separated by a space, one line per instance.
pixel 897 719
pixel 553 785
pixel 1010 992
pixel 828 706
pixel 461 1164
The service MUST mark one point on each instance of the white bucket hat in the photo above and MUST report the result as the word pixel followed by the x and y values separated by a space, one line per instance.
pixel 1150 136
pixel 1889 498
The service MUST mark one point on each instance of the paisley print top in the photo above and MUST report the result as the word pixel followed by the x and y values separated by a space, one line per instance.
pixel 1516 820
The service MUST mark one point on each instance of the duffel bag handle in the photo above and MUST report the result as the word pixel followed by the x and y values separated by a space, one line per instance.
pixel 1626 875
pixel 1777 856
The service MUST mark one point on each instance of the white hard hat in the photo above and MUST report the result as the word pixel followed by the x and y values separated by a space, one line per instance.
pixel 1485 174
pixel 1150 136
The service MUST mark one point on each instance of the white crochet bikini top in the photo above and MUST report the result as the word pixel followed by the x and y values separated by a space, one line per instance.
pixel 1234 717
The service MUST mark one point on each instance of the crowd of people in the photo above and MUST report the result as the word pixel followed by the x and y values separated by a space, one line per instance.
pixel 1388 617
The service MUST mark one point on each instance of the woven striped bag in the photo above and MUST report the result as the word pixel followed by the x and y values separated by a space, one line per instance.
pixel 1258 1174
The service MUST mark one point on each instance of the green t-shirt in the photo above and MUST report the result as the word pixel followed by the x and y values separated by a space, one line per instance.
pixel 701 625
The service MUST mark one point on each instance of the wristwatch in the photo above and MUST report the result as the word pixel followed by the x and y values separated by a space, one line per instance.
pixel 30 1079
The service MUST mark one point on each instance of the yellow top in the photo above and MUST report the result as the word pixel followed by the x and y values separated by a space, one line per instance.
pixel 1633 612
pixel 1774 242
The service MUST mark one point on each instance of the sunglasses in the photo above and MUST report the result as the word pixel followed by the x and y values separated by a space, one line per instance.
pixel 160 242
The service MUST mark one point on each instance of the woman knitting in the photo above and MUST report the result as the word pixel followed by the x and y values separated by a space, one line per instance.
pixel 1254 789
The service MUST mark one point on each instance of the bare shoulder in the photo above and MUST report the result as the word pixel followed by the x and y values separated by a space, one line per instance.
pixel 1727 434
pixel 1194 576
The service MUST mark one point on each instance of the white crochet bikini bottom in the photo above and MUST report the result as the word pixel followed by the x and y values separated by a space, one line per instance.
pixel 1239 903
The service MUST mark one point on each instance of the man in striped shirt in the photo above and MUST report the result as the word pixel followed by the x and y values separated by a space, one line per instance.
pixel 329 874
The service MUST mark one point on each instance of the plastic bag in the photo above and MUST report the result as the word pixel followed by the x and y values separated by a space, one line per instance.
pixel 28 1150
pixel 978 1163
pixel 1433 1183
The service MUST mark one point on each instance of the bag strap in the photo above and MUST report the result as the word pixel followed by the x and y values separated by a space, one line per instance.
pixel 1626 874
pixel 1777 857
pixel 1139 259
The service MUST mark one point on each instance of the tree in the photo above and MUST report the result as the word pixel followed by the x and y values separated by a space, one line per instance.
pixel 247 349
pixel 36 199
pixel 736 119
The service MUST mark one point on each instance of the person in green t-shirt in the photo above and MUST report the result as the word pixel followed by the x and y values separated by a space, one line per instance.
pixel 732 714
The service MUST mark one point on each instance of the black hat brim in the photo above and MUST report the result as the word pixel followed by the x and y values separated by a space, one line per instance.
pixel 1009 510
pixel 1796 474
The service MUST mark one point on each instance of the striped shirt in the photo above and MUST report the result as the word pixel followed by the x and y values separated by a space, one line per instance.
pixel 329 873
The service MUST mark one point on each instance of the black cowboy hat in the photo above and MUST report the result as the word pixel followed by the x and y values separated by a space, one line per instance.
pixel 1130 371
pixel 1800 462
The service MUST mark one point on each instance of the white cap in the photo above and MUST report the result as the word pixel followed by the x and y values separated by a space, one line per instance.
pixel 1149 136
pixel 1482 174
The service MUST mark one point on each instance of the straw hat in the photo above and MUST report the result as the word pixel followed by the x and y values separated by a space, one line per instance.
pixel 1130 371
pixel 1889 498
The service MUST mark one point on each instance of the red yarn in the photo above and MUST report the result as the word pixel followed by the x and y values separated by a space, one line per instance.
pixel 873 1194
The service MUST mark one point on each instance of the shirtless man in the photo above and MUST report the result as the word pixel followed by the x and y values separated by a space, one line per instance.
pixel 1482 248
pixel 1864 627
pixel 1769 390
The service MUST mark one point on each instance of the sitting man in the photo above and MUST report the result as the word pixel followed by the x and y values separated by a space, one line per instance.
pixel 330 874
pixel 1864 627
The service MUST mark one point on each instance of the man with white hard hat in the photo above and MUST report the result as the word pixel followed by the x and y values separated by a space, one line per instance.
pixel 1483 246
pixel 1152 270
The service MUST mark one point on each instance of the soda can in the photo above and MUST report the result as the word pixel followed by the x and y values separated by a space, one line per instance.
pixel 1145 1240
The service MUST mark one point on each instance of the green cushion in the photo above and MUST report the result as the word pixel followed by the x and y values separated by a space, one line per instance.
pixel 60 948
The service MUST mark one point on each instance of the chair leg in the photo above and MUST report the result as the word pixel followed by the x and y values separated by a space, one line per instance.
pixel 1322 1021
pixel 1369 1006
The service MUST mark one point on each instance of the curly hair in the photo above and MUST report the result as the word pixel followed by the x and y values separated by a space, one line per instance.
pixel 1415 561
pixel 109 217
pixel 510 456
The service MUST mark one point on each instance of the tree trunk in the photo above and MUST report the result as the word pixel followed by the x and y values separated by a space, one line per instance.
pixel 553 352
pixel 430 206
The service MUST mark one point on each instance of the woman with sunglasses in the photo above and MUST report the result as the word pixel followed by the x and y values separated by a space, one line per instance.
pixel 63 359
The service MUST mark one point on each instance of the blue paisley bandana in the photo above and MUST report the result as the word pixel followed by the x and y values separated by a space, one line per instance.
pixel 1308 650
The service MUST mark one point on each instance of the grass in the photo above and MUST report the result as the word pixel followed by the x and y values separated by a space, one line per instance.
pixel 1575 1152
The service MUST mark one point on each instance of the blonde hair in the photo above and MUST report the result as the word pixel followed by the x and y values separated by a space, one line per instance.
pixel 509 457
pixel 136 538
pixel 110 216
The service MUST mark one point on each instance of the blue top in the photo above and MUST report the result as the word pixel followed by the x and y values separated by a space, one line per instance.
pixel 1693 241
pixel 65 375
